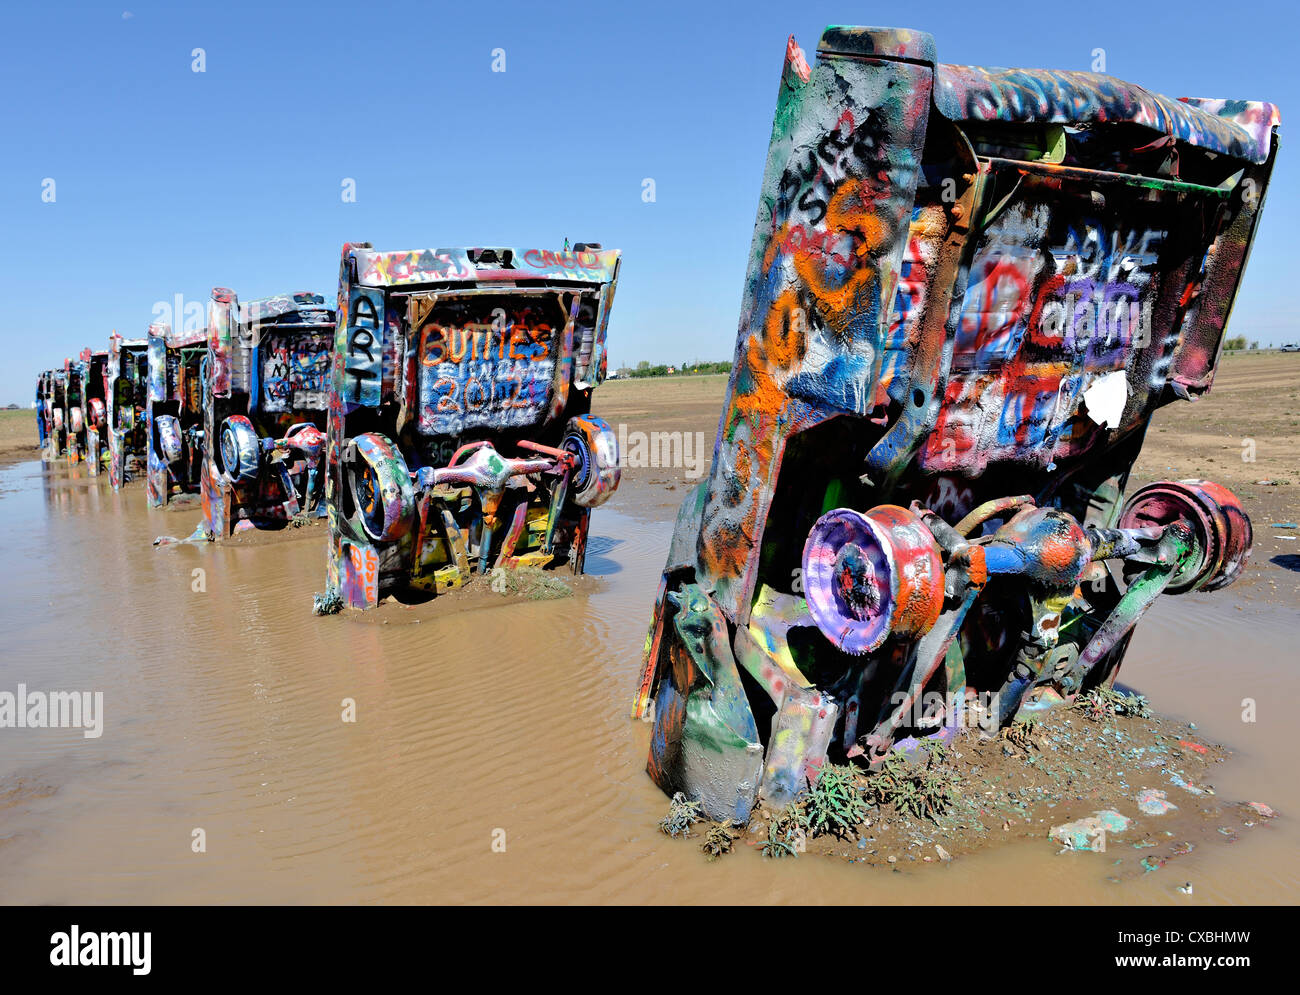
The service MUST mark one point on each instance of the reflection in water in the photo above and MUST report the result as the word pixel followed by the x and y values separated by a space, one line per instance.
pixel 223 711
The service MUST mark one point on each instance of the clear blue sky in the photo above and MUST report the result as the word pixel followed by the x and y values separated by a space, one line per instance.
pixel 170 181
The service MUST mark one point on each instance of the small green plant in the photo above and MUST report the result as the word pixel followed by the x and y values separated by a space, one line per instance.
pixel 300 519
pixel 1137 706
pixel 1102 703
pixel 924 788
pixel 836 803
pixel 784 834
pixel 329 603
pixel 1021 734
pixel 721 838
pixel 682 814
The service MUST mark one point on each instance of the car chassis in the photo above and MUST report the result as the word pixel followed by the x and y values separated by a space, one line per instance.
pixel 174 413
pixel 264 407
pixel 969 289
pixel 460 438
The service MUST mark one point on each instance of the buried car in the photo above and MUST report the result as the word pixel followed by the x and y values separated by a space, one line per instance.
pixel 264 408
pixel 968 291
pixel 74 410
pixel 93 370
pixel 127 389
pixel 174 412
pixel 460 437
pixel 47 431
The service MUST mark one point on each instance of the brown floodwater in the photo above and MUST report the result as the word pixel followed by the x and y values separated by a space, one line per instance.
pixel 223 712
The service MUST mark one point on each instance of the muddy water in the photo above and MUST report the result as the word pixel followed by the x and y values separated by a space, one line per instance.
pixel 223 712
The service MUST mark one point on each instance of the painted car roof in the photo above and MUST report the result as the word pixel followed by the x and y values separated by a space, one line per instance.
pixel 264 308
pixel 1238 128
pixel 465 265
pixel 1241 129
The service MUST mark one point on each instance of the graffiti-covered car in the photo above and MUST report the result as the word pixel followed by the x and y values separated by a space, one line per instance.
pixel 49 435
pixel 59 411
pixel 264 409
pixel 93 373
pixel 968 291
pixel 460 437
pixel 127 390
pixel 74 410
pixel 174 412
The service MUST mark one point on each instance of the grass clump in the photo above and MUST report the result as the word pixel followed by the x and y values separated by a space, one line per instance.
pixel 785 834
pixel 721 838
pixel 837 803
pixel 1021 734
pixel 922 787
pixel 682 814
pixel 329 603
pixel 1103 703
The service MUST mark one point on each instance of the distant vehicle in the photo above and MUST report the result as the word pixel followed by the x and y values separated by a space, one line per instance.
pixel 174 414
pixel 126 385
pixel 264 409
pixel 1291 347
pixel 74 410
pixel 93 386
pixel 50 420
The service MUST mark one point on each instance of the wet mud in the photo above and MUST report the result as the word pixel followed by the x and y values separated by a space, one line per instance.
pixel 492 757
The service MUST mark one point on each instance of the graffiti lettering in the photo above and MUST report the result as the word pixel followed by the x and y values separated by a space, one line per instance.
pixel 477 372
pixel 295 370
pixel 362 366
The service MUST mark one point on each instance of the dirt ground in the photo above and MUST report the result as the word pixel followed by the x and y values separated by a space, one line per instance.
pixel 1255 399
pixel 568 649
pixel 1147 781
pixel 18 440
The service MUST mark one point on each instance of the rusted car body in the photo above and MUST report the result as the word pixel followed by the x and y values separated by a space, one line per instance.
pixel 968 291
pixel 174 413
pixel 39 408
pixel 460 437
pixel 93 373
pixel 264 410
pixel 49 433
pixel 74 411
pixel 127 390
pixel 59 411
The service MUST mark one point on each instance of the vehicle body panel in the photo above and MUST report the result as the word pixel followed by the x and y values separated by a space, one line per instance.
pixel 174 412
pixel 269 363
pixel 94 384
pixel 127 383
pixel 443 355
pixel 967 292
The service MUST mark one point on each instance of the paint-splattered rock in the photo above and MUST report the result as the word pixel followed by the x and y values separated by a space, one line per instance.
pixel 1152 801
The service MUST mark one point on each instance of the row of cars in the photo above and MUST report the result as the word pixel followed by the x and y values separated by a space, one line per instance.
pixel 439 416
pixel 968 292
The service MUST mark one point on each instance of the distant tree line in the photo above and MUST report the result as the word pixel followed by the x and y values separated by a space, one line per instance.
pixel 644 369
